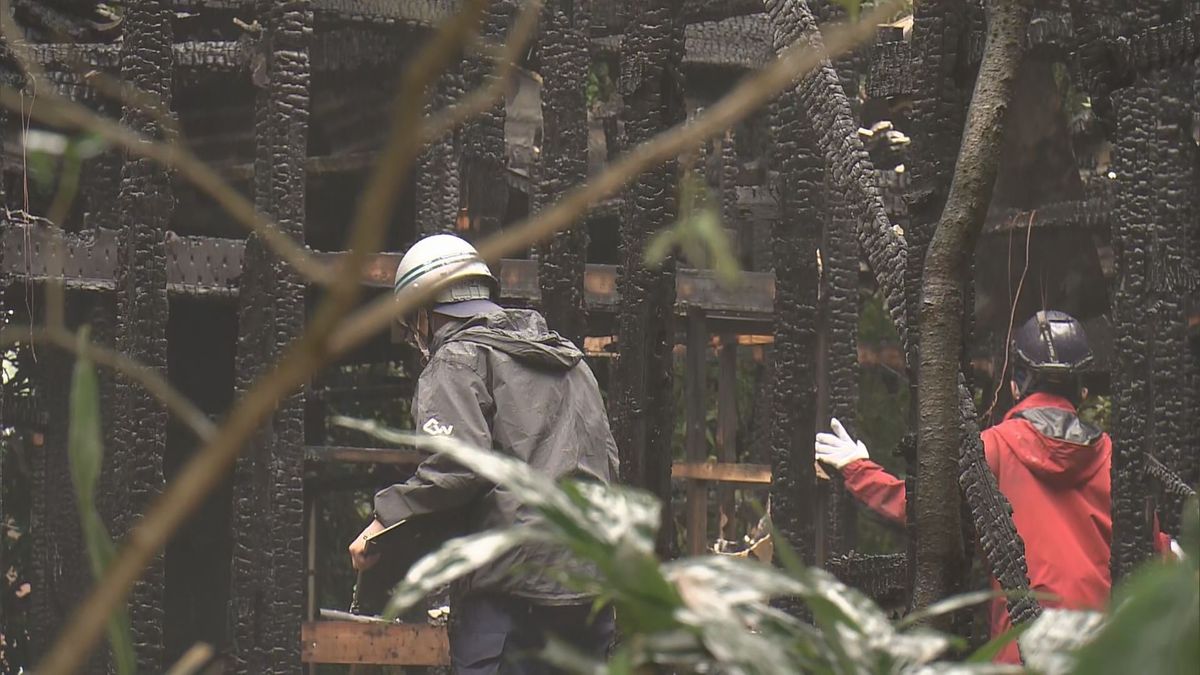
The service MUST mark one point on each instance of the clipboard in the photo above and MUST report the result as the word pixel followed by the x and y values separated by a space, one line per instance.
pixel 399 547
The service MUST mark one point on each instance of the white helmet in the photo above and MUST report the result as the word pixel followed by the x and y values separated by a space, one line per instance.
pixel 444 257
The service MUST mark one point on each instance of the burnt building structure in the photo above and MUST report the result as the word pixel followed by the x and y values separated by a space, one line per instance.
pixel 832 192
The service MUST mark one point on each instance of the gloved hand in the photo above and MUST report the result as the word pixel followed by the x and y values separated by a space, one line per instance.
pixel 1177 550
pixel 838 449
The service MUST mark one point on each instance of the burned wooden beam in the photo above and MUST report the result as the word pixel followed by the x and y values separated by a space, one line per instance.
pixel 641 400
pixel 144 203
pixel 213 266
pixel 563 163
pixel 377 643
pixel 344 454
pixel 267 580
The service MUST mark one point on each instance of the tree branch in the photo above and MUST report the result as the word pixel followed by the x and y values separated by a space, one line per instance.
pixel 939 559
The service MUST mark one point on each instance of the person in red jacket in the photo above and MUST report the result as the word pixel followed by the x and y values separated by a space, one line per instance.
pixel 1053 466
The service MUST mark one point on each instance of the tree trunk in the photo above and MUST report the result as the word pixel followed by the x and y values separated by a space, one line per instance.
pixel 939 559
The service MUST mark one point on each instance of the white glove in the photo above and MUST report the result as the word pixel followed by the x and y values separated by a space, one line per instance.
pixel 838 449
pixel 1177 550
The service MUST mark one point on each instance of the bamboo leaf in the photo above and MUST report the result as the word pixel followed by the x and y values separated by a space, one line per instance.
pixel 85 455
pixel 455 558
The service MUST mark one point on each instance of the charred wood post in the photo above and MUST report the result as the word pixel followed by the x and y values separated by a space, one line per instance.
pixel 795 237
pixel 267 583
pixel 565 62
pixel 61 571
pixel 839 310
pixel 1174 182
pixel 484 153
pixel 437 185
pixel 695 379
pixel 823 99
pixel 145 202
pixel 1136 114
pixel 837 364
pixel 641 402
pixel 939 554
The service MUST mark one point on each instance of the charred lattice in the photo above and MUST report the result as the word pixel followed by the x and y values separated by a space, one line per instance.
pixel 267 584
pixel 795 238
pixel 883 578
pixel 565 60
pixel 651 85
pixel 825 102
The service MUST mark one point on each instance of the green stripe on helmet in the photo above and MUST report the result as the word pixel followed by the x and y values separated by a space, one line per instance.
pixel 434 264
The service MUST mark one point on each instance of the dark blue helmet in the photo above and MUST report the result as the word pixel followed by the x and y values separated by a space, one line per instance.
pixel 1051 346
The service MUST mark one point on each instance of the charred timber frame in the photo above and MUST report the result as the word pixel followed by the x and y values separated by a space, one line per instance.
pixel 795 237
pixel 651 84
pixel 267 583
pixel 1131 129
pixel 823 99
pixel 837 364
pixel 437 182
pixel 484 153
pixel 145 202
pixel 565 62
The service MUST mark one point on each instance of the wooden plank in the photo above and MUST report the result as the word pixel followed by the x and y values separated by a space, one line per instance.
pixel 384 644
pixel 727 427
pixel 356 455
pixel 695 380
pixel 720 471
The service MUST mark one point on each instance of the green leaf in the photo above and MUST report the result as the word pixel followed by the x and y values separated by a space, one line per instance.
pixel 947 606
pixel 988 651
pixel 852 7
pixel 454 559
pixel 85 455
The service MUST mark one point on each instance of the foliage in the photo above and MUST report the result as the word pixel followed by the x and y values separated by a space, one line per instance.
pixel 703 614
pixel 600 84
pixel 1097 410
pixel 1155 622
pixel 698 233
pixel 85 453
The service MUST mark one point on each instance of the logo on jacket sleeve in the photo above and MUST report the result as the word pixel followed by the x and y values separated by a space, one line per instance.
pixel 435 428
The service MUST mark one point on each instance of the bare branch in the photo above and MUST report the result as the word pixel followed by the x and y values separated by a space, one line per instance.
pixel 151 380
pixel 946 273
pixel 321 343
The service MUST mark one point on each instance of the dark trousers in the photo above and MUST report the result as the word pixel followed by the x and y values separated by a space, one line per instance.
pixel 503 635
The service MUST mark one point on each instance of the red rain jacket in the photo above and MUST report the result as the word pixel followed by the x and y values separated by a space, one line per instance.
pixel 1056 473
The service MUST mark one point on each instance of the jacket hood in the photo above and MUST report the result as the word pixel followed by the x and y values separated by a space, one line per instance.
pixel 520 333
pixel 1061 448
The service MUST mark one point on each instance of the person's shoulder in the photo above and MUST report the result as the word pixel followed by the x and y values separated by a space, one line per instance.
pixel 454 355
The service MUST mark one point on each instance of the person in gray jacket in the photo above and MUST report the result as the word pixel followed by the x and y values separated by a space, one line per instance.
pixel 499 378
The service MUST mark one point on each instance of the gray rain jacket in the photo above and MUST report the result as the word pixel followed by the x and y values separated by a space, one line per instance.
pixel 505 381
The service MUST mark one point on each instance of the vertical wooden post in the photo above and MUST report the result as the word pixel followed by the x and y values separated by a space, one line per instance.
pixel 727 417
pixel 695 444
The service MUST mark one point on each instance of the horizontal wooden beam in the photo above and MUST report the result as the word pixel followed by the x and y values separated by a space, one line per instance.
pixel 382 644
pixel 209 265
pixel 724 472
pixel 355 455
